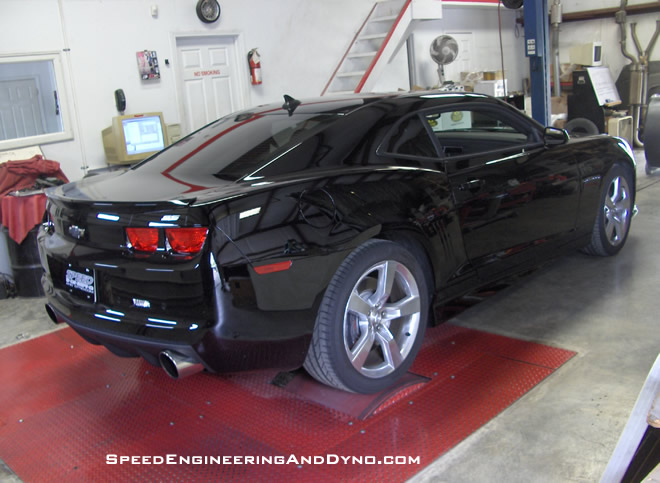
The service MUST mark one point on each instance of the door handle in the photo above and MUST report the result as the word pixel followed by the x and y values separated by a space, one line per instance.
pixel 471 185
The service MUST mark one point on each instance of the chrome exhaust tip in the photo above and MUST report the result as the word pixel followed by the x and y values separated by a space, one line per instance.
pixel 177 366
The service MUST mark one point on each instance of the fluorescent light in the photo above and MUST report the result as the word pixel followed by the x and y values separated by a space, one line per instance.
pixel 248 213
pixel 161 321
pixel 105 317
pixel 107 217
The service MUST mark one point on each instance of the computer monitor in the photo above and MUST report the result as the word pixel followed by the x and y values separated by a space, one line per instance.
pixel 134 137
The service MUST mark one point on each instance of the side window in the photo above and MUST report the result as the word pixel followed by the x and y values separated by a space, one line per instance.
pixel 473 131
pixel 410 138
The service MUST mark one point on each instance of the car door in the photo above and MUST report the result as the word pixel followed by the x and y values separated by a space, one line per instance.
pixel 409 146
pixel 515 197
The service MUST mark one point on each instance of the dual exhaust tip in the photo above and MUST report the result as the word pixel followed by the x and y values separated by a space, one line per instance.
pixel 177 366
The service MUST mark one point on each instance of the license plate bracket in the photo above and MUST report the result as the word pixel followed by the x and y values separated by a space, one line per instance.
pixel 81 282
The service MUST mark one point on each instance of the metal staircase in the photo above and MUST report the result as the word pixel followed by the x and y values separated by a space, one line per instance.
pixel 379 38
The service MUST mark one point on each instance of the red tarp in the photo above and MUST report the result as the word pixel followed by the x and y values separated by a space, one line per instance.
pixel 17 175
pixel 21 213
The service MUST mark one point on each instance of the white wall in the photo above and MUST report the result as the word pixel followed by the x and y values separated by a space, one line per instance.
pixel 485 46
pixel 606 31
pixel 19 34
pixel 300 42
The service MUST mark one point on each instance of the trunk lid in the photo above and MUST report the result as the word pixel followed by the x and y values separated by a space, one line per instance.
pixel 96 211
pixel 135 186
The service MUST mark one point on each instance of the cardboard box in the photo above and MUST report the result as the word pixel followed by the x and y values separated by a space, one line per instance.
pixel 469 79
pixel 565 74
pixel 559 123
pixel 559 105
pixel 490 87
pixel 493 75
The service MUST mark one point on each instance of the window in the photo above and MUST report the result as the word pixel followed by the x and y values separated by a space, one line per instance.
pixel 472 121
pixel 33 107
pixel 247 146
pixel 468 132
pixel 410 138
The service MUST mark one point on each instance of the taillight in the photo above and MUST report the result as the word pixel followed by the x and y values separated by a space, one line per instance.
pixel 186 240
pixel 143 239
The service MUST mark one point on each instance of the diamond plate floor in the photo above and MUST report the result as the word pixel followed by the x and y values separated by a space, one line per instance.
pixel 66 404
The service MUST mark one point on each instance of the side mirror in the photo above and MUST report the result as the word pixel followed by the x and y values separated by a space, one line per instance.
pixel 553 136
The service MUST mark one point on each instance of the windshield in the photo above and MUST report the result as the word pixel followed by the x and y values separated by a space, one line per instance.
pixel 234 147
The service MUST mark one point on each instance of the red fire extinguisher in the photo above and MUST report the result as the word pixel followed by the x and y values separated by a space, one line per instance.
pixel 255 67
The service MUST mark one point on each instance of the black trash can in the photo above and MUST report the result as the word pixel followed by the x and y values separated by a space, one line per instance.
pixel 6 277
pixel 26 266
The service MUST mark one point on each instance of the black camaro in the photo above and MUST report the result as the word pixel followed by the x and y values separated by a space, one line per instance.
pixel 324 233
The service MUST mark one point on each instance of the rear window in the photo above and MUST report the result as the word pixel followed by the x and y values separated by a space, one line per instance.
pixel 237 146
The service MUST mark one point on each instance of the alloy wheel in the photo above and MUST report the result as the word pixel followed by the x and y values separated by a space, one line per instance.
pixel 617 210
pixel 381 319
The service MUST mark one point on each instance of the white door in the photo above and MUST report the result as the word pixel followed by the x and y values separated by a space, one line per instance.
pixel 20 109
pixel 209 78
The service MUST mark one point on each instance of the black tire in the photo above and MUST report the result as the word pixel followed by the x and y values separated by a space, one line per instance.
pixel 358 312
pixel 615 212
pixel 652 133
pixel 581 126
pixel 208 11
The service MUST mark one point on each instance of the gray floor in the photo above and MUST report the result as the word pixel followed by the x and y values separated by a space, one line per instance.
pixel 566 428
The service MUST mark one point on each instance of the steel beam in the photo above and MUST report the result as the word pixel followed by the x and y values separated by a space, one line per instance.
pixel 537 42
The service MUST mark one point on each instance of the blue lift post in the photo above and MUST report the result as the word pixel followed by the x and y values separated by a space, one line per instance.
pixel 537 49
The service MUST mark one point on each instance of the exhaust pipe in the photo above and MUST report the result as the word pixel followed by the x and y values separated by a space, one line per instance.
pixel 51 314
pixel 178 366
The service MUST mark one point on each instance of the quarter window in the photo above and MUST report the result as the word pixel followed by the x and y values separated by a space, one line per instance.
pixel 411 138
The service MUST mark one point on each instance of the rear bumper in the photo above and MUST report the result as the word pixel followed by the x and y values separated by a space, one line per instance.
pixel 234 339
pixel 128 346
pixel 215 354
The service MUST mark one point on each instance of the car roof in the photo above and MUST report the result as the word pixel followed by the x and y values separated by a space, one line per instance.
pixel 346 103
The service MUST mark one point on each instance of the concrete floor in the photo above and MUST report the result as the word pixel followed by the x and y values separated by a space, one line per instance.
pixel 566 428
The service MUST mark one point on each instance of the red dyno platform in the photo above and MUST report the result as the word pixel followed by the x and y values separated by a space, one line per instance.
pixel 65 405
